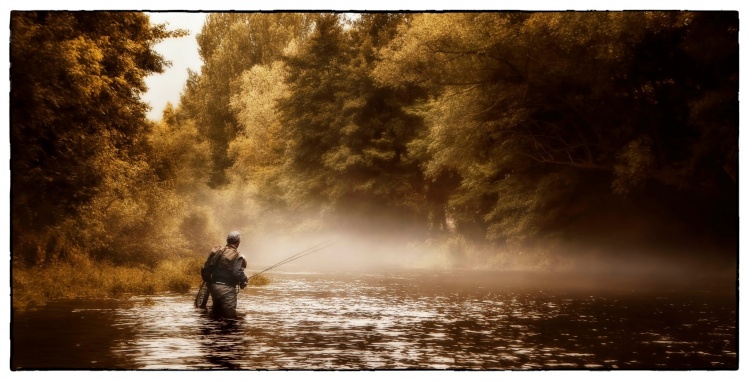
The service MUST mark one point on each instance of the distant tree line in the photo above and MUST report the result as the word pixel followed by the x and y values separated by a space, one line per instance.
pixel 507 128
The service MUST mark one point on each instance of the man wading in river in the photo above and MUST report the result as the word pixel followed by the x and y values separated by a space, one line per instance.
pixel 228 272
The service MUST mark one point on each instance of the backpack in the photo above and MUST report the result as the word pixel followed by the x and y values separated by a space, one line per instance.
pixel 206 272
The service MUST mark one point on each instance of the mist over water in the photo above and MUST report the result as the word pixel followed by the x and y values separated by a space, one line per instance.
pixel 334 252
pixel 378 302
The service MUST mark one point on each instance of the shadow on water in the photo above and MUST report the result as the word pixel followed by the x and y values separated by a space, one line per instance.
pixel 70 335
pixel 221 340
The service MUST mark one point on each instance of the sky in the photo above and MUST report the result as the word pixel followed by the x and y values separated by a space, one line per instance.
pixel 182 52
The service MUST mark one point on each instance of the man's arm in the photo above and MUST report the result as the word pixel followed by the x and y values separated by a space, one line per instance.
pixel 238 270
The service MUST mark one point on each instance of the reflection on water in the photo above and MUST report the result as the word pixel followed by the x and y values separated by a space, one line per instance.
pixel 411 321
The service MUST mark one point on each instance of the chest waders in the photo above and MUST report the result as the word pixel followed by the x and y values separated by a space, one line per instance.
pixel 204 291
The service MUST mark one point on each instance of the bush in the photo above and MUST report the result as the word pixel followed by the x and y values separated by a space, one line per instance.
pixel 259 280
pixel 84 278
pixel 181 285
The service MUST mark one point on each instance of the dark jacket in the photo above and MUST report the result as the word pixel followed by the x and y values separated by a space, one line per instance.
pixel 229 268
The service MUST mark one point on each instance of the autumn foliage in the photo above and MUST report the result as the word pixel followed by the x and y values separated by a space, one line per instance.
pixel 515 131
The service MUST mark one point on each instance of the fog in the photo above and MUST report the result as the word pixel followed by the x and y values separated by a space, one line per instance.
pixel 575 266
pixel 614 249
pixel 331 251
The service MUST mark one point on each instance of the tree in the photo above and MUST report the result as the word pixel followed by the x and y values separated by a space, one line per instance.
pixel 134 217
pixel 376 178
pixel 75 109
pixel 178 154
pixel 229 44
pixel 310 112
pixel 259 149
pixel 347 137
pixel 541 114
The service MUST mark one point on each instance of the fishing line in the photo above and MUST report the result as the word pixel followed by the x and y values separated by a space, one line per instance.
pixel 308 251
pixel 302 253
pixel 201 299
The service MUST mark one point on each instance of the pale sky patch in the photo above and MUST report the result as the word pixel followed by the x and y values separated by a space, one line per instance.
pixel 182 52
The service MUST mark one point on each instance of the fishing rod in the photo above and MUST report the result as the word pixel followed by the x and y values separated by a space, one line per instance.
pixel 201 299
pixel 303 253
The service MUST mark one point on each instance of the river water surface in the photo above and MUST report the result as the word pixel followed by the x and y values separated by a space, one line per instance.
pixel 415 320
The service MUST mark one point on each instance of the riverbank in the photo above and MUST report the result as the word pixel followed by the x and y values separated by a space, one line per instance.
pixel 88 279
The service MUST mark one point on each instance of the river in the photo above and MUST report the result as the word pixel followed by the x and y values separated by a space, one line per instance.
pixel 398 320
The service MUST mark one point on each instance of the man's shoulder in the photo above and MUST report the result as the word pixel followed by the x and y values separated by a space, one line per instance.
pixel 232 253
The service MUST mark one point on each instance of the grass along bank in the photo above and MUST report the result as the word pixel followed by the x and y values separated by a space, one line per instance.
pixel 86 278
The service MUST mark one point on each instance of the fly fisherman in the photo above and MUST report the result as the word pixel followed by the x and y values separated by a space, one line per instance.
pixel 228 272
